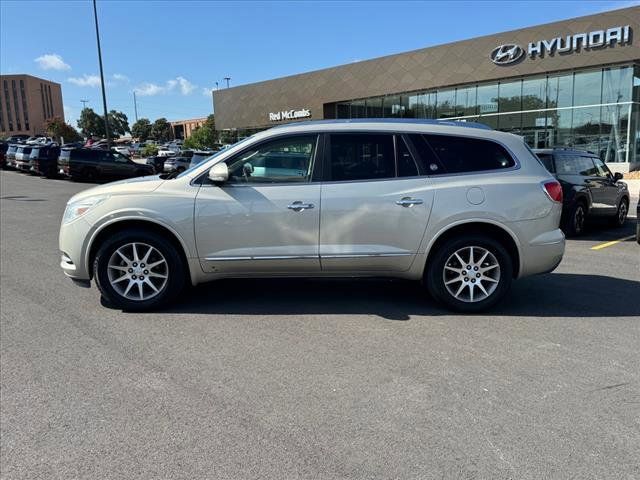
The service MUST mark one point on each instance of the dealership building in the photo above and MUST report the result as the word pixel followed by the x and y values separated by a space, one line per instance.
pixel 573 83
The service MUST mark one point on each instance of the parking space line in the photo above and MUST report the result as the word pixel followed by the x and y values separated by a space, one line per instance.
pixel 613 242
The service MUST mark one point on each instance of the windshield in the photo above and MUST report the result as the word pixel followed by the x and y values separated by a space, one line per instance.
pixel 192 167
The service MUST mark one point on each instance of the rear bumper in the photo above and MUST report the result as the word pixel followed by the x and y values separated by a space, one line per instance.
pixel 543 253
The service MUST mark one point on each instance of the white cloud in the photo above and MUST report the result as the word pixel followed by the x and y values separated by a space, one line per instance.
pixel 186 87
pixel 118 77
pixel 52 61
pixel 206 91
pixel 85 80
pixel 150 89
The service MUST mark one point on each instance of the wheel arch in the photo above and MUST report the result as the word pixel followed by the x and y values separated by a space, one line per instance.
pixel 121 224
pixel 495 230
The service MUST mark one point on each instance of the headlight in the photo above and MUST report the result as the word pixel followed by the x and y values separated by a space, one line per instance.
pixel 77 209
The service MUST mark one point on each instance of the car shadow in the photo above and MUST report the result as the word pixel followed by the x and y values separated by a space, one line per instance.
pixel 550 295
pixel 600 230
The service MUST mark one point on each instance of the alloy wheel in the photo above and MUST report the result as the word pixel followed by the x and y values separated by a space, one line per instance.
pixel 137 271
pixel 471 274
pixel 578 219
pixel 622 213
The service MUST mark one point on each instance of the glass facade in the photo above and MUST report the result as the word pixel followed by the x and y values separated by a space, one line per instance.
pixel 595 110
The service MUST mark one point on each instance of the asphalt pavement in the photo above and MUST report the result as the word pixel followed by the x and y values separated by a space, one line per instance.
pixel 314 379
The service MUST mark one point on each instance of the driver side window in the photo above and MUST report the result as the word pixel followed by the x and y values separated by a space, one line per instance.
pixel 288 159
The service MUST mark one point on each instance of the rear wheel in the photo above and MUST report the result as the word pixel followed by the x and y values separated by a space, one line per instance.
pixel 576 219
pixel 470 274
pixel 89 174
pixel 138 270
pixel 621 213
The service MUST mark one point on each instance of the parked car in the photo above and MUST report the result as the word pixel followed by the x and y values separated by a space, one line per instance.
pixel 43 160
pixel 124 150
pixel 96 164
pixel 10 155
pixel 156 162
pixel 458 205
pixel 22 162
pixel 4 146
pixel 199 156
pixel 39 140
pixel 588 186
pixel 17 138
pixel 166 152
pixel 179 163
pixel 638 222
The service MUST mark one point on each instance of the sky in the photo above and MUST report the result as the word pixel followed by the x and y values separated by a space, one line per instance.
pixel 172 53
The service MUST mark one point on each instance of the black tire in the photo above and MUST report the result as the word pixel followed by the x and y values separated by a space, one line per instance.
pixel 574 224
pixel 89 174
pixel 621 213
pixel 435 276
pixel 176 270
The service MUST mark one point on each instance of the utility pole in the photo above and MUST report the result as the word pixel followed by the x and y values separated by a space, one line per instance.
pixel 227 80
pixel 84 103
pixel 104 95
pixel 135 105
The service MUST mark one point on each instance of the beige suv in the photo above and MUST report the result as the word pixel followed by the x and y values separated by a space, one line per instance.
pixel 462 207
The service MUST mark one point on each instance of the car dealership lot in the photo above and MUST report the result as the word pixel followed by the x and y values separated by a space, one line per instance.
pixel 314 378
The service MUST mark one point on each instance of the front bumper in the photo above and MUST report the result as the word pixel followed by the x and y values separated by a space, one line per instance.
pixel 72 243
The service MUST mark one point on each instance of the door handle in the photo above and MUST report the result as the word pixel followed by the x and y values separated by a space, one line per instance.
pixel 300 206
pixel 409 202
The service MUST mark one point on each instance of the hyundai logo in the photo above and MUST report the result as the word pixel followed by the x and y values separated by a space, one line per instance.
pixel 507 54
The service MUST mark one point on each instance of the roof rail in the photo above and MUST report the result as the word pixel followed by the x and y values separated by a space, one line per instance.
pixel 417 121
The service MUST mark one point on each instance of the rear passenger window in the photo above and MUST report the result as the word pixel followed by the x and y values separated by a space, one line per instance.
pixel 427 155
pixel 547 161
pixel 407 166
pixel 465 154
pixel 575 165
pixel 362 157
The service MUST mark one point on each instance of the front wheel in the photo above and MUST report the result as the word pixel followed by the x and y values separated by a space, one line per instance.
pixel 470 274
pixel 621 214
pixel 138 270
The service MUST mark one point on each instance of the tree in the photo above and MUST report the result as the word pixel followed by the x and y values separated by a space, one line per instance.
pixel 92 125
pixel 57 129
pixel 161 130
pixel 149 150
pixel 118 123
pixel 141 129
pixel 204 137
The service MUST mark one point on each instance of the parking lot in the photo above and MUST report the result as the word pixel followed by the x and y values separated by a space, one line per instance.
pixel 291 379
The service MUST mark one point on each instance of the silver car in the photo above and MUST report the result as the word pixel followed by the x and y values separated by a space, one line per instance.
pixel 457 205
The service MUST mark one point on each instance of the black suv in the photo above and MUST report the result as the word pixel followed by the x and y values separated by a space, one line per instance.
pixel 588 186
pixel 43 159
pixel 94 164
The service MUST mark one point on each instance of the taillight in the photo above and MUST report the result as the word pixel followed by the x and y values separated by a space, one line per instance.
pixel 553 189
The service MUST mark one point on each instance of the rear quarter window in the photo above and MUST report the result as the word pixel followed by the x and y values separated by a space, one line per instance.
pixel 457 154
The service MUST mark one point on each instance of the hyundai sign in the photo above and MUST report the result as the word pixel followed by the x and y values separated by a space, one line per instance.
pixel 509 54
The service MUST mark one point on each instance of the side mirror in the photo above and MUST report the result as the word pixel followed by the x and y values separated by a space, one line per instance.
pixel 219 173
pixel 617 176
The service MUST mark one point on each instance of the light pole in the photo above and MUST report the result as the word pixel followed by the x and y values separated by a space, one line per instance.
pixel 135 105
pixel 104 95
pixel 216 85
pixel 227 80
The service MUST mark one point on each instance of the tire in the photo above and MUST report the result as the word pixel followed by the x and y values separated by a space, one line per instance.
pixel 89 175
pixel 576 219
pixel 498 265
pixel 109 266
pixel 621 213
